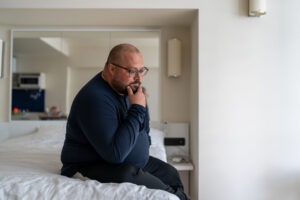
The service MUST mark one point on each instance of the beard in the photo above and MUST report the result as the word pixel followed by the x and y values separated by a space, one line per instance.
pixel 122 88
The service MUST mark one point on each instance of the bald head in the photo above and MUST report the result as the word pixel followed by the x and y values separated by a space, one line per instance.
pixel 121 60
pixel 117 53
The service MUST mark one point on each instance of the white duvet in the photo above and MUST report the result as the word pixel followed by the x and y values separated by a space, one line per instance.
pixel 29 169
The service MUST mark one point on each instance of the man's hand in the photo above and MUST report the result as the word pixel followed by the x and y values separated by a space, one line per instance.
pixel 138 97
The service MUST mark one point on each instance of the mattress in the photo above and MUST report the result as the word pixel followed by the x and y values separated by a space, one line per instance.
pixel 30 169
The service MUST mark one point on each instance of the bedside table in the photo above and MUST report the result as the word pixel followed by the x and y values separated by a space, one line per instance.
pixel 182 166
pixel 184 169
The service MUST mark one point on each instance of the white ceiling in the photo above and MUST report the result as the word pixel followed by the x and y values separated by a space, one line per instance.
pixel 97 17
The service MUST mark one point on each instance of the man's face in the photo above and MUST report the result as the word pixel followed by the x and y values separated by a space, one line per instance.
pixel 122 78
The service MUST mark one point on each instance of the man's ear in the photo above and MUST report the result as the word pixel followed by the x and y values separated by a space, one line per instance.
pixel 111 68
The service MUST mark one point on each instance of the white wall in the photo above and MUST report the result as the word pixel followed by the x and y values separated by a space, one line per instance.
pixel 248 135
pixel 77 78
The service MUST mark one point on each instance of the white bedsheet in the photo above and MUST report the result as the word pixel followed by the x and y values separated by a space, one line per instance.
pixel 29 169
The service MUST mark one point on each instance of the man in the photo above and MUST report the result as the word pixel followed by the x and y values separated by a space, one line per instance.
pixel 107 134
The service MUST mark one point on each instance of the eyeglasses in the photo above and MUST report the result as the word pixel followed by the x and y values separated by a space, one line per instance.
pixel 133 71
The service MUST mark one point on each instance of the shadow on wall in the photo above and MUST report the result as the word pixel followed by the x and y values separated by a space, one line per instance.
pixel 284 187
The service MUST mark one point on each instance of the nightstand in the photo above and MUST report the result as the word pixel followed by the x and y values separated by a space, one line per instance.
pixel 184 169
pixel 183 166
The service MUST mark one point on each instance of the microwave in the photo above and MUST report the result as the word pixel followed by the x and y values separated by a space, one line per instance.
pixel 31 80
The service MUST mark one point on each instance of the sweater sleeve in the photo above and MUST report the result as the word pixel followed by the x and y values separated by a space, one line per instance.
pixel 112 135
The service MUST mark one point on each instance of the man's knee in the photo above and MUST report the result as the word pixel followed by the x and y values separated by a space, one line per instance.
pixel 170 169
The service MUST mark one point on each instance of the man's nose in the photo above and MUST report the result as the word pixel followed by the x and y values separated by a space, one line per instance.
pixel 138 76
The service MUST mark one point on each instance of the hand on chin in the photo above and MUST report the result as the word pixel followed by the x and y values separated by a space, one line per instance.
pixel 134 87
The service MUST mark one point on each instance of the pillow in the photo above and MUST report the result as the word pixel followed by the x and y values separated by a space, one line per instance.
pixel 157 137
pixel 157 148
pixel 49 137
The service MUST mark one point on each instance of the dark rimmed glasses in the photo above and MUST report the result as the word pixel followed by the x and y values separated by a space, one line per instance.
pixel 133 71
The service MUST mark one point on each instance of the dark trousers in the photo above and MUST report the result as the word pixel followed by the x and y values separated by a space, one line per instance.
pixel 155 175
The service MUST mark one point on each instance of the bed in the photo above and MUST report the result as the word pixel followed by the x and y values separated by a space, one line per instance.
pixel 30 166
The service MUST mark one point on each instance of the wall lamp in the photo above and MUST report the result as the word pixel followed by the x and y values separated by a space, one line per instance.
pixel 257 8
pixel 174 58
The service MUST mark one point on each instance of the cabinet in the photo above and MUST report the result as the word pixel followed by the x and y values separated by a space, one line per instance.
pixel 28 100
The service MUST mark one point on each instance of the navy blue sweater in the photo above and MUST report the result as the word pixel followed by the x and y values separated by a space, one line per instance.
pixel 103 127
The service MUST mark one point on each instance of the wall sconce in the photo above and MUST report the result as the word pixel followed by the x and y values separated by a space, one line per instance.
pixel 257 8
pixel 174 57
